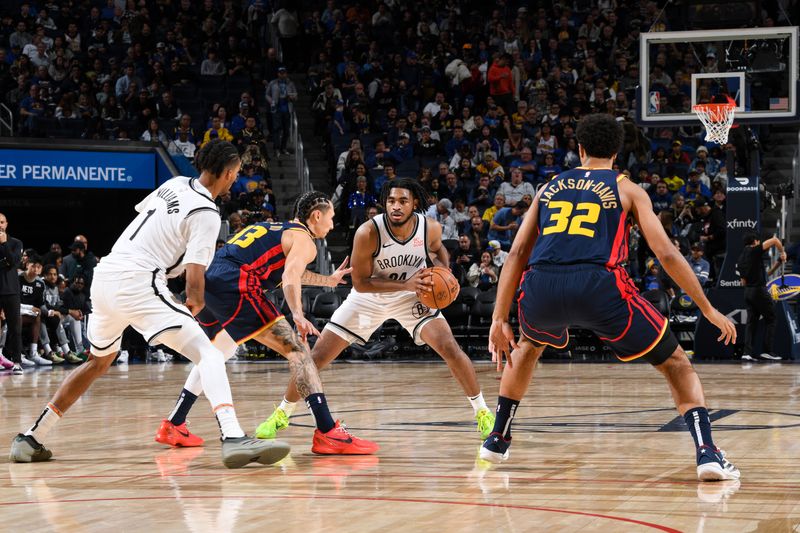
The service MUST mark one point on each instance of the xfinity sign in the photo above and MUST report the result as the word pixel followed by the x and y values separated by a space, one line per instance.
pixel 739 224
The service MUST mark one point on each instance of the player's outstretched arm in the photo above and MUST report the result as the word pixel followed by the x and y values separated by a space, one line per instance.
pixel 501 336
pixel 436 249
pixel 671 259
pixel 321 280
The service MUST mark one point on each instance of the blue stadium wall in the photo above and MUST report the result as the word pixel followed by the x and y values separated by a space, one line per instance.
pixel 51 190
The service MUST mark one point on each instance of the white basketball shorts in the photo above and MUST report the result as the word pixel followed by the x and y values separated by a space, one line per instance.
pixel 362 313
pixel 138 299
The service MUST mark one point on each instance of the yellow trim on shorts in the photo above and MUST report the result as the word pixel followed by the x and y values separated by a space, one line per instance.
pixel 260 330
pixel 628 358
pixel 537 341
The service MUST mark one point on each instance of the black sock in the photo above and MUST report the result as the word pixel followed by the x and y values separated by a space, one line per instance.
pixel 319 408
pixel 182 407
pixel 506 409
pixel 699 426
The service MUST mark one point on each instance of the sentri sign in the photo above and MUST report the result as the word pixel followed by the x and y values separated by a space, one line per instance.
pixel 77 169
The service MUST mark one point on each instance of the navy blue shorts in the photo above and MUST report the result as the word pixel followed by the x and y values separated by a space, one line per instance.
pixel 587 296
pixel 235 302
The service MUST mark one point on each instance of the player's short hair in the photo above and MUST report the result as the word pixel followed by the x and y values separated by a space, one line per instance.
pixel 750 239
pixel 310 202
pixel 34 259
pixel 413 186
pixel 600 135
pixel 216 156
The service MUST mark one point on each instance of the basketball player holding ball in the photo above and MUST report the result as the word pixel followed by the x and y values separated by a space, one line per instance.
pixel 391 253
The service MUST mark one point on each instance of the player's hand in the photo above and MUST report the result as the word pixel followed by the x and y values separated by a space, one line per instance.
pixel 783 257
pixel 421 281
pixel 304 327
pixel 501 342
pixel 194 306
pixel 725 325
pixel 341 272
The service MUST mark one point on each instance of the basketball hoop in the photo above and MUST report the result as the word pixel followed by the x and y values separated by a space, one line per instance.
pixel 717 118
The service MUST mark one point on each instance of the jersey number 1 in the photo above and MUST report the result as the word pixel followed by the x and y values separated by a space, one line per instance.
pixel 149 214
pixel 573 226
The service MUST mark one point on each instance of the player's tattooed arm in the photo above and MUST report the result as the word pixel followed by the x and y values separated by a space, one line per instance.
pixel 301 365
pixel 337 278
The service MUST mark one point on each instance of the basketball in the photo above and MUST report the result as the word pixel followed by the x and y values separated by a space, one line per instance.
pixel 444 291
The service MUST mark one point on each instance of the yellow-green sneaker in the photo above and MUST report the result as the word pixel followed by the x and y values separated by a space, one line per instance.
pixel 268 429
pixel 485 419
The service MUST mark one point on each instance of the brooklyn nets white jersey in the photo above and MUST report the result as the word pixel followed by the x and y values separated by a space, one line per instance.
pixel 177 224
pixel 399 260
pixel 363 312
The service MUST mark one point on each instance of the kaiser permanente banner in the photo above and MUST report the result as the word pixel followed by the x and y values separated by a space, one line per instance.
pixel 77 169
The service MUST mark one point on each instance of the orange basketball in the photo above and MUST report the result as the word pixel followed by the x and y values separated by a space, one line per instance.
pixel 444 291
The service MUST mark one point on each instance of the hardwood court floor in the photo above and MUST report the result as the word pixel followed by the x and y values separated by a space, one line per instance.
pixel 597 447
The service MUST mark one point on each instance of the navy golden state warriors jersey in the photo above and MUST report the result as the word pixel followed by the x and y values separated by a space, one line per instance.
pixel 257 250
pixel 581 220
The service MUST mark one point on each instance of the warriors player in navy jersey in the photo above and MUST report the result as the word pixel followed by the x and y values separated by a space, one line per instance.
pixel 175 231
pixel 390 254
pixel 569 253
pixel 263 257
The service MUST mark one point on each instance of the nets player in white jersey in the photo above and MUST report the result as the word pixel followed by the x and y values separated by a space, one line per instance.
pixel 175 231
pixel 390 253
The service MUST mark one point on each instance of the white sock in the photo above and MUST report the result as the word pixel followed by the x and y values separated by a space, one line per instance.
pixel 65 348
pixel 477 402
pixel 287 406
pixel 228 424
pixel 47 349
pixel 45 422
pixel 34 349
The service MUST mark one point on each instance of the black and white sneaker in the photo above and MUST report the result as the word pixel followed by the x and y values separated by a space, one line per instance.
pixel 26 449
pixel 713 466
pixel 770 357
pixel 748 358
pixel 495 448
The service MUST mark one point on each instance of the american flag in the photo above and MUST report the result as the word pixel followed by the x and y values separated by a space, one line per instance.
pixel 778 104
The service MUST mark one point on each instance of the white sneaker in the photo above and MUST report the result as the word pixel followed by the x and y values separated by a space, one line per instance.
pixel 123 357
pixel 41 361
pixel 748 357
pixel 161 357
pixel 17 370
pixel 770 357
pixel 27 363
pixel 719 469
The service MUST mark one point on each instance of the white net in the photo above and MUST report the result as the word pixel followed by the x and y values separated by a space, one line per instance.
pixel 718 119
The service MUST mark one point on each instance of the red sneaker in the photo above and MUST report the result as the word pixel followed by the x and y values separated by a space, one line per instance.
pixel 173 435
pixel 339 441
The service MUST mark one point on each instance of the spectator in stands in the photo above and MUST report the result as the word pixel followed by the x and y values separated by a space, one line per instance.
pixel 182 145
pixel 212 65
pixel 79 263
pixel 498 254
pixel 453 189
pixel 427 147
pixel 694 188
pixel 166 108
pixel 461 260
pixel 483 274
pixel 359 201
pixel 491 167
pixel 31 307
pixel 514 190
pixel 661 197
pixel 652 280
pixel 699 265
pixel 711 164
pixel 216 131
pixel 235 223
pixel 501 83
pixel 546 142
pixel 56 314
pixel 76 300
pixel 441 212
pixel 281 92
pixel 677 155
pixel 249 136
pixel 154 133
pixel 239 121
pixel 713 232
pixel 478 233
pixel 505 224
pixel 403 150
pixel 388 175
pixel 124 83
pixel 482 195
pixel 527 165
pixel 548 168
